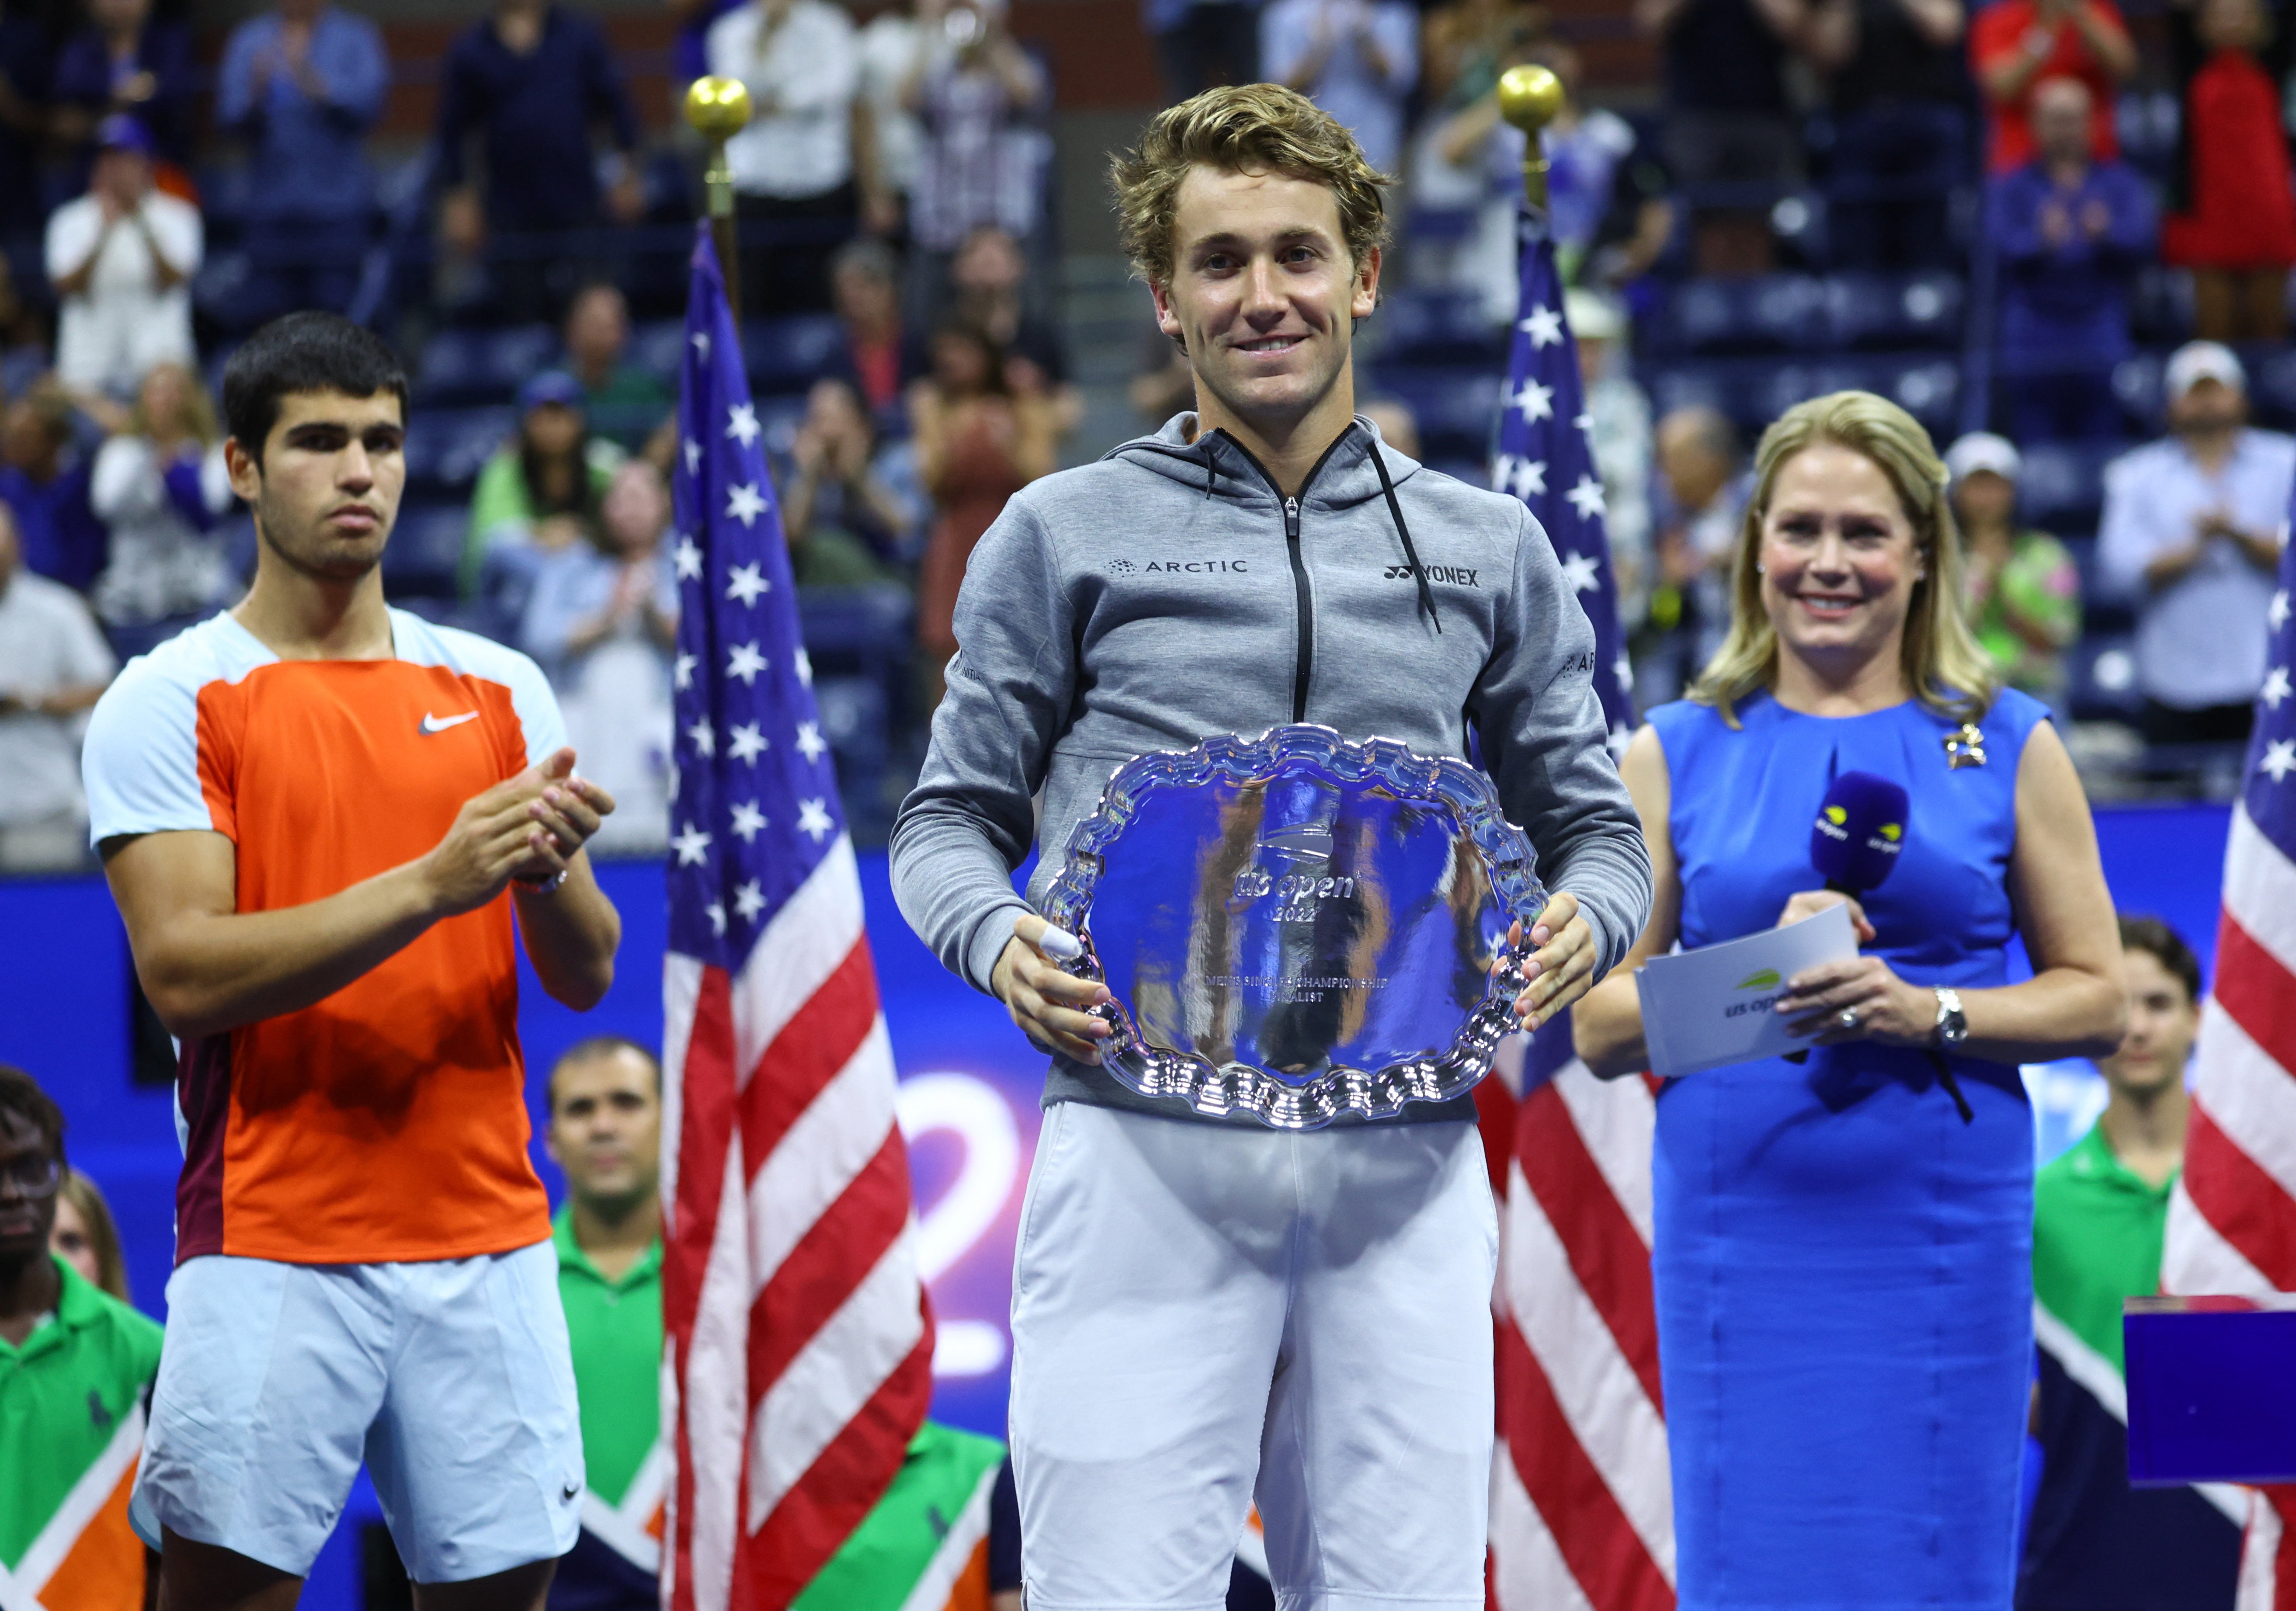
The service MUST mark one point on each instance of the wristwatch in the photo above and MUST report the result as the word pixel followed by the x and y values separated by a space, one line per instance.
pixel 1952 1023
pixel 550 885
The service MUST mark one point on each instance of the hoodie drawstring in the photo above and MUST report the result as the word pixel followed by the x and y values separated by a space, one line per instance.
pixel 1395 509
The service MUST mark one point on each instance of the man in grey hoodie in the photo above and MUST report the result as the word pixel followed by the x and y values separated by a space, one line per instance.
pixel 1205 1311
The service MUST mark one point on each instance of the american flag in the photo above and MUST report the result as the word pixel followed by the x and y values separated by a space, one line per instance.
pixel 798 1356
pixel 2232 1220
pixel 1582 1513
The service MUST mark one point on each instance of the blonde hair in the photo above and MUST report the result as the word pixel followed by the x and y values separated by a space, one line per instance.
pixel 1943 664
pixel 198 414
pixel 102 1232
pixel 1238 129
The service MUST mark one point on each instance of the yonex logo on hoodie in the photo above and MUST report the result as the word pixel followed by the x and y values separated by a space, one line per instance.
pixel 1457 575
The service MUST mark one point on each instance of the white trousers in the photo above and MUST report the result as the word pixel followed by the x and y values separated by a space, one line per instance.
pixel 1203 1316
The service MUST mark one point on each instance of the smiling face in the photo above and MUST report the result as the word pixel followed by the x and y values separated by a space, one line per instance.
pixel 326 488
pixel 1838 557
pixel 1263 293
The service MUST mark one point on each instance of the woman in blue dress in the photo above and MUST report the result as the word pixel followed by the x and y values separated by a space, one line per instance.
pixel 1843 1258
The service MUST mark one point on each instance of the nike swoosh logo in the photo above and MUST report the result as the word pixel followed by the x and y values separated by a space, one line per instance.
pixel 571 1492
pixel 431 723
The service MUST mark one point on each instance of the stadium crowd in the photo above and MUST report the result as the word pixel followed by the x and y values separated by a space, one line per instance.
pixel 2066 255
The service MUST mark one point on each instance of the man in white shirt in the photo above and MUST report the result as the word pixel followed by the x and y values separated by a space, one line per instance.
pixel 792 166
pixel 121 259
pixel 2191 531
pixel 53 666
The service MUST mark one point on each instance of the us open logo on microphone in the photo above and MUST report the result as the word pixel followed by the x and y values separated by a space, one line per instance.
pixel 1887 839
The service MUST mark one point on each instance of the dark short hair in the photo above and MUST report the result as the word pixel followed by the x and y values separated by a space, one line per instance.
pixel 21 1094
pixel 304 352
pixel 596 1046
pixel 2165 946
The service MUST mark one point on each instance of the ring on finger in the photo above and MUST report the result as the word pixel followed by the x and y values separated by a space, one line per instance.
pixel 1847 1018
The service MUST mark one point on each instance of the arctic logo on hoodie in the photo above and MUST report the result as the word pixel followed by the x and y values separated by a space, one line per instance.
pixel 1193 567
pixel 1457 575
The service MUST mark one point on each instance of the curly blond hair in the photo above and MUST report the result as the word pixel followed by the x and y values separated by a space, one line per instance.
pixel 1245 128
pixel 1943 663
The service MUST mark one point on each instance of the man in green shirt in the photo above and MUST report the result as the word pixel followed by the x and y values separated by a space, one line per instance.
pixel 76 1366
pixel 605 1133
pixel 2100 1215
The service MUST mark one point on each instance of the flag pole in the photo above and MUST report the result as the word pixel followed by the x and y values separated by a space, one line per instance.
pixel 1529 96
pixel 717 109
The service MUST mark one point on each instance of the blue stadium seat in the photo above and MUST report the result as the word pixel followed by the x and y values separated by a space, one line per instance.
pixel 1435 324
pixel 2272 386
pixel 466 366
pixel 446 448
pixel 2104 610
pixel 225 292
pixel 2102 679
pixel 2061 485
pixel 1456 408
pixel 1894 311
pixel 658 348
pixel 2161 305
pixel 2137 383
pixel 424 556
pixel 789 355
pixel 1776 313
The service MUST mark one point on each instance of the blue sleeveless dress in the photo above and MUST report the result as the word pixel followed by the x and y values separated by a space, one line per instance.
pixel 1843 1268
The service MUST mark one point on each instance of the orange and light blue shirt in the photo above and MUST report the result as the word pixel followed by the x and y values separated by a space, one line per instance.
pixel 387 1121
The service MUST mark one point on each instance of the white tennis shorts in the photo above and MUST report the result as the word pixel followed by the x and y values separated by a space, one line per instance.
pixel 1204 1315
pixel 452 1379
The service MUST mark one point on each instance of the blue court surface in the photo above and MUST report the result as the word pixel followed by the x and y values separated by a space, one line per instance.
pixel 968 1101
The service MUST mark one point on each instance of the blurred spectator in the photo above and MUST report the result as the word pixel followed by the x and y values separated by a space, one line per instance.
pixel 988 280
pixel 604 1132
pixel 2191 530
pixel 792 166
pixel 1619 431
pixel 301 86
pixel 54 666
pixel 981 165
pixel 45 486
pixel 1704 498
pixel 1726 136
pixel 851 510
pixel 2100 1221
pixel 1399 426
pixel 1200 43
pixel 1900 132
pixel 1165 383
pixel 626 404
pixel 2024 589
pixel 980 440
pixel 1358 59
pixel 530 82
pixel 2238 233
pixel 890 49
pixel 86 1237
pixel 121 259
pixel 161 487
pixel 2013 44
pixel 27 78
pixel 602 620
pixel 2070 233
pixel 124 61
pixel 865 284
pixel 79 1367
pixel 540 490
pixel 689 50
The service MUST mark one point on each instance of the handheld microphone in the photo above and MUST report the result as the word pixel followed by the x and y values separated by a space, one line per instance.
pixel 1854 842
pixel 1858 833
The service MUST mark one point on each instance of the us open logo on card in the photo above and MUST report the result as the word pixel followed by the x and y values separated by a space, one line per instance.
pixel 1761 978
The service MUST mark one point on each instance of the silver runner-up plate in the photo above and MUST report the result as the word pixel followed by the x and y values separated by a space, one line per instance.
pixel 1298 926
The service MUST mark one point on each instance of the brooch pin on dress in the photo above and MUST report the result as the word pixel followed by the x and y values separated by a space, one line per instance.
pixel 1966 747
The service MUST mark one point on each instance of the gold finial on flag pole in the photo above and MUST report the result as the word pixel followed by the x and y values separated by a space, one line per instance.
pixel 1529 96
pixel 718 108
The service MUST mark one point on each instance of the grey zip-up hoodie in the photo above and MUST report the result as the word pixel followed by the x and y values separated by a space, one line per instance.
pixel 1170 593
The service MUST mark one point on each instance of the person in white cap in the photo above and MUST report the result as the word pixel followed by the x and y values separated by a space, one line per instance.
pixel 2193 531
pixel 2024 589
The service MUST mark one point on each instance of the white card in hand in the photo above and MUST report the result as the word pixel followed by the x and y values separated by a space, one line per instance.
pixel 1711 1007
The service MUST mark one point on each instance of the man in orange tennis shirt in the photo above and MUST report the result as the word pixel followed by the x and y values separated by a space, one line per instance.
pixel 318 816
